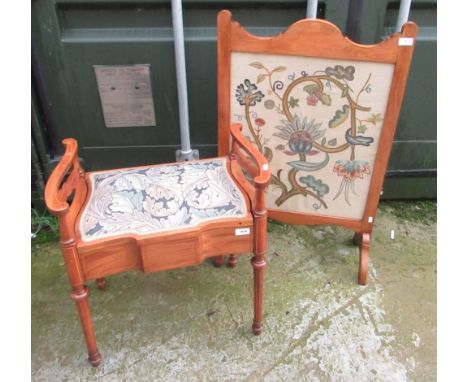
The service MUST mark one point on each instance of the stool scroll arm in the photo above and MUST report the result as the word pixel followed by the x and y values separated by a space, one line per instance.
pixel 66 181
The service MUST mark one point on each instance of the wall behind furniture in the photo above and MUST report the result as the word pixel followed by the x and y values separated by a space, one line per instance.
pixel 70 36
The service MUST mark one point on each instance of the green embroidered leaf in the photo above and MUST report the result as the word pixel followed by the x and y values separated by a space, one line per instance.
pixel 280 147
pixel 307 166
pixel 279 69
pixel 260 78
pixel 293 102
pixel 310 88
pixel 345 92
pixel 257 65
pixel 375 118
pixel 315 184
pixel 324 140
pixel 340 117
pixel 325 99
pixel 332 142
pixel 362 129
pixel 267 153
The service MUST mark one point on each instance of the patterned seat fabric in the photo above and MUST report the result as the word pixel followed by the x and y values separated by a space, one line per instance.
pixel 147 200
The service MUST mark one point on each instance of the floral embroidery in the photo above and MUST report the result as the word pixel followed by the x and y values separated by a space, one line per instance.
pixel 316 94
pixel 260 122
pixel 304 137
pixel 300 134
pixel 246 94
pixel 316 184
pixel 160 198
pixel 341 73
pixel 350 170
pixel 293 102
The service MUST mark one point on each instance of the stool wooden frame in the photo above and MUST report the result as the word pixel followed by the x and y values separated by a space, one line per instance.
pixel 97 259
pixel 321 39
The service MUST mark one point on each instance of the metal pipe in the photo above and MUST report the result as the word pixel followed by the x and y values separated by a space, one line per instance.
pixel 311 12
pixel 353 23
pixel 186 152
pixel 403 14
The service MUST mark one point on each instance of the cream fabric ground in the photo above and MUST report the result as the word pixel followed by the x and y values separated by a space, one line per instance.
pixel 314 110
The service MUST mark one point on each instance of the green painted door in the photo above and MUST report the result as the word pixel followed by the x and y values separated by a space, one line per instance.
pixel 70 37
pixel 413 162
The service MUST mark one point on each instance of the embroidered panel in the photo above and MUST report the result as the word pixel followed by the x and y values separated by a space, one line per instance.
pixel 153 199
pixel 318 122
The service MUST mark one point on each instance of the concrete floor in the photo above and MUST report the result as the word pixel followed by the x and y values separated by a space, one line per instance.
pixel 193 324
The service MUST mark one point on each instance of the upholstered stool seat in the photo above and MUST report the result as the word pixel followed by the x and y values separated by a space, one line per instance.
pixel 159 198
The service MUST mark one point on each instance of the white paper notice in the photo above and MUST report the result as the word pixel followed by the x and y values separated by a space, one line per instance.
pixel 126 95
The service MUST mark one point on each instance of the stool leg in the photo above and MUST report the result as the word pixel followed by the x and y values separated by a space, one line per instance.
pixel 101 283
pixel 232 261
pixel 258 263
pixel 218 261
pixel 80 295
pixel 363 258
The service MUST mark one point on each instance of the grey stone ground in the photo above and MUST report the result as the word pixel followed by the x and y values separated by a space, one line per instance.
pixel 193 324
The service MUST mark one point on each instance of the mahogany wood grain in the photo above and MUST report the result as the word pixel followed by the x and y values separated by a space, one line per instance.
pixel 97 259
pixel 259 259
pixel 318 38
pixel 260 173
pixel 80 296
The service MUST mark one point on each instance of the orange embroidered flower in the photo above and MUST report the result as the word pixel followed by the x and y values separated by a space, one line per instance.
pixel 351 169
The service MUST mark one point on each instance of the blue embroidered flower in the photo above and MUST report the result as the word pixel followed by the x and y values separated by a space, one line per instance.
pixel 246 94
pixel 300 135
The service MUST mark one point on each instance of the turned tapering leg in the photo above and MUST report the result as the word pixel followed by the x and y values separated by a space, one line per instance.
pixel 101 283
pixel 218 261
pixel 232 261
pixel 80 294
pixel 363 258
pixel 258 264
pixel 259 249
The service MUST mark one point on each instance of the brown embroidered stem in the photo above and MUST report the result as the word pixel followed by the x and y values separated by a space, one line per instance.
pixel 353 118
pixel 353 131
pixel 276 181
pixel 294 192
pixel 296 189
pixel 362 89
pixel 292 179
pixel 271 86
pixel 353 107
pixel 249 124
